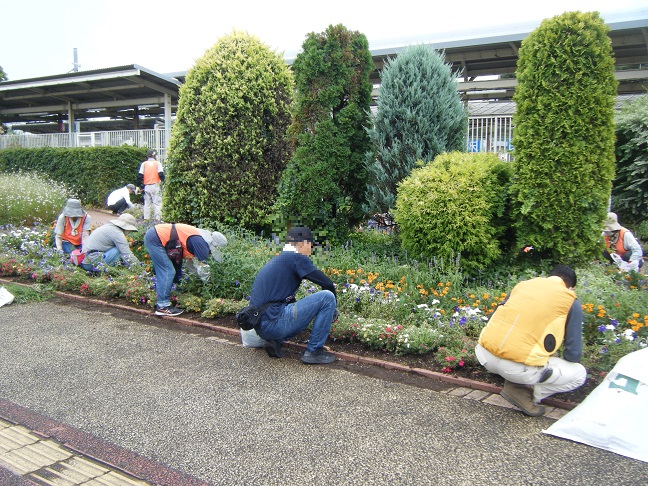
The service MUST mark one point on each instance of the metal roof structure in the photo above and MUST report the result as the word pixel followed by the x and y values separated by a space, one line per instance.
pixel 132 97
pixel 126 94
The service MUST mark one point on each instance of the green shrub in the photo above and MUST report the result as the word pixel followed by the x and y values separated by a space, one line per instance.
pixel 455 206
pixel 630 189
pixel 91 173
pixel 564 137
pixel 229 143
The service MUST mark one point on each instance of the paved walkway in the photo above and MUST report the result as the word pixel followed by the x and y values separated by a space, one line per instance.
pixel 153 401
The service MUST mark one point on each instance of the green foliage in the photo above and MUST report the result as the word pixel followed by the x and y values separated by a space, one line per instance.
pixel 91 173
pixel 564 136
pixel 27 198
pixel 229 143
pixel 25 294
pixel 420 115
pixel 3 75
pixel 324 184
pixel 454 206
pixel 630 189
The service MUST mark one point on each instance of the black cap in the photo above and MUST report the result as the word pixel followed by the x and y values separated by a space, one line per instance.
pixel 299 233
pixel 151 153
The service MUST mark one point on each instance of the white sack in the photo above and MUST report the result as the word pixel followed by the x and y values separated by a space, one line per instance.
pixel 6 297
pixel 612 417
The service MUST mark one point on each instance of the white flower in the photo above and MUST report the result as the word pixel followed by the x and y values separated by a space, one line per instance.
pixel 629 334
pixel 610 327
pixel 422 306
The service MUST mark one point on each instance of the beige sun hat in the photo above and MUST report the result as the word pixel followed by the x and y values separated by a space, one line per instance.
pixel 73 209
pixel 127 222
pixel 611 223
pixel 214 239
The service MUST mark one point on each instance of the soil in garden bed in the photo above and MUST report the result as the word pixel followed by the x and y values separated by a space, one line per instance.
pixel 413 361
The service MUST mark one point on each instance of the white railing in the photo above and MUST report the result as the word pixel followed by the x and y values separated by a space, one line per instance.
pixel 485 134
pixel 155 139
pixel 490 134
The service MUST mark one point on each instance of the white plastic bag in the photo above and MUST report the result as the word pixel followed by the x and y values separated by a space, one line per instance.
pixel 200 269
pixel 625 266
pixel 612 416
pixel 251 339
pixel 6 297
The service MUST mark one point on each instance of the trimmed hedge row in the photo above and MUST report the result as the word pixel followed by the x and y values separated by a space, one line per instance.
pixel 92 173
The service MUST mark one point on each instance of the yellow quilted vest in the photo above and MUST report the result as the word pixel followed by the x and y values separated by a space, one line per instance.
pixel 530 326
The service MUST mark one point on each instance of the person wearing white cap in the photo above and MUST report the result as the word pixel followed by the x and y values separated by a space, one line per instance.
pixel 108 243
pixel 119 201
pixel 620 243
pixel 72 226
pixel 188 243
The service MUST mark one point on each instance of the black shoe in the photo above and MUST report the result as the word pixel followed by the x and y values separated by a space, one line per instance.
pixel 168 311
pixel 318 356
pixel 273 347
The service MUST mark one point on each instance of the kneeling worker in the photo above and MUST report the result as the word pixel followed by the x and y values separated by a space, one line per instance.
pixel 119 201
pixel 276 285
pixel 108 243
pixel 525 331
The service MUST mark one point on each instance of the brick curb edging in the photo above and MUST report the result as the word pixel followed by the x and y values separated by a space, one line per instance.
pixel 352 358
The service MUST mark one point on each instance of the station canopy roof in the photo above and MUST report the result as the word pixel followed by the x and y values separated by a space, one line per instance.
pixel 130 97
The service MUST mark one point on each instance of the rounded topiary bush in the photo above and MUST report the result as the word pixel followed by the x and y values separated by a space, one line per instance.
pixel 229 143
pixel 456 205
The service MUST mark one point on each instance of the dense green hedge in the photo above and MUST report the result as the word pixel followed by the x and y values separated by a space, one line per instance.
pixel 456 204
pixel 92 173
pixel 630 189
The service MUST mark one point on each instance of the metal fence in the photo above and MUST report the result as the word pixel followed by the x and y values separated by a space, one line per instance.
pixel 490 134
pixel 155 139
pixel 485 134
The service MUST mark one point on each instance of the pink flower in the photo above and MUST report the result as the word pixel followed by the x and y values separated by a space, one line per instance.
pixel 461 363
pixel 447 369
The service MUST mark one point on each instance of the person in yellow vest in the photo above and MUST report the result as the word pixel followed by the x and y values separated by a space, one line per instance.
pixel 523 335
pixel 72 226
pixel 621 242
pixel 150 175
pixel 196 244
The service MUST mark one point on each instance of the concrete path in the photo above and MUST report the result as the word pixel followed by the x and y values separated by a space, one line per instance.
pixel 170 404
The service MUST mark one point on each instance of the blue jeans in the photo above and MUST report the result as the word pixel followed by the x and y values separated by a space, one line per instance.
pixel 68 247
pixel 164 270
pixel 109 257
pixel 319 306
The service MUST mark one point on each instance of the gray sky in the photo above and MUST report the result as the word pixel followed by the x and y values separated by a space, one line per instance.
pixel 39 36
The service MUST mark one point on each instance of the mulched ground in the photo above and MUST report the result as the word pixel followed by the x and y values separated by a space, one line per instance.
pixel 425 362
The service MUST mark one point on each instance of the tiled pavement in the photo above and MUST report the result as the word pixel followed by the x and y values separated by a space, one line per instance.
pixel 44 461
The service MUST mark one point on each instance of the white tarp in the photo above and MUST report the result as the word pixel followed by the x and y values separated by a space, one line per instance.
pixel 613 416
pixel 6 297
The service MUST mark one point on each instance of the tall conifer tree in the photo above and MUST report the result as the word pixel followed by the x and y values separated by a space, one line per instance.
pixel 324 184
pixel 564 136
pixel 420 115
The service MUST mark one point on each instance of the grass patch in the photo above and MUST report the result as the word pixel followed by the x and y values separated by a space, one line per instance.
pixel 28 294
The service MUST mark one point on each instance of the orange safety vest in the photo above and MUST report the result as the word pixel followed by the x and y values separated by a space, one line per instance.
pixel 67 231
pixel 619 249
pixel 151 175
pixel 184 232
